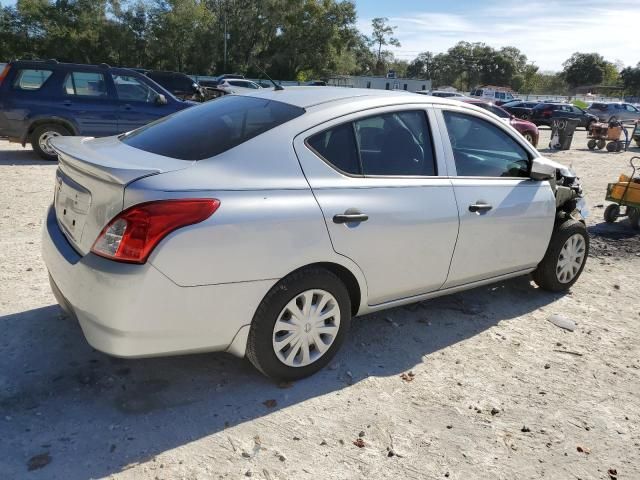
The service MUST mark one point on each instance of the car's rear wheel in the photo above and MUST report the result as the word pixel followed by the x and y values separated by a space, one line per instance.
pixel 41 136
pixel 565 257
pixel 299 325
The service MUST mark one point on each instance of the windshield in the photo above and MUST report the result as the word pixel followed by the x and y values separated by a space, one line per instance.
pixel 211 128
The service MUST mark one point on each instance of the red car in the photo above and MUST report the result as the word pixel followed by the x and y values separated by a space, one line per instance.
pixel 528 130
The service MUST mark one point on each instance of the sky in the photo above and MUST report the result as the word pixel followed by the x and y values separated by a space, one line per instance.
pixel 547 31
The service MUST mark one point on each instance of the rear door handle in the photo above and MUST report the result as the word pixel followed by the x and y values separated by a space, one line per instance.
pixel 350 217
pixel 480 207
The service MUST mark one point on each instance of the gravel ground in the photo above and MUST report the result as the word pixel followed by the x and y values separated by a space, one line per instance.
pixel 495 391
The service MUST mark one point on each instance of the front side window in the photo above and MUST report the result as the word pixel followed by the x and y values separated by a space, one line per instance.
pixel 86 84
pixel 392 144
pixel 481 149
pixel 211 128
pixel 31 79
pixel 131 89
pixel 630 108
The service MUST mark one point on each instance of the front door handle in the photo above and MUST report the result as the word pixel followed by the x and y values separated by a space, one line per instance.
pixel 350 216
pixel 480 207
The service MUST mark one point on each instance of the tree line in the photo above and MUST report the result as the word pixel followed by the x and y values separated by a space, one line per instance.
pixel 290 39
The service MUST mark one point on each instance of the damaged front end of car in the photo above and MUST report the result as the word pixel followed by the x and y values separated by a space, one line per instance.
pixel 570 202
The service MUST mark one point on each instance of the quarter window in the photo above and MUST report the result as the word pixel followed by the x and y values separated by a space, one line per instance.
pixel 481 149
pixel 31 79
pixel 86 84
pixel 338 147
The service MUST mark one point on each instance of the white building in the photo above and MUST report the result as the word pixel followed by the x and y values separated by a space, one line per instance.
pixel 381 83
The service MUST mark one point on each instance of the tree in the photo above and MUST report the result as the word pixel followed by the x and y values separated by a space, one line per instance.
pixel 382 35
pixel 631 79
pixel 421 66
pixel 585 69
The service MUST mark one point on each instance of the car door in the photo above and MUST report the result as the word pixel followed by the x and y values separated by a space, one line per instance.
pixel 89 98
pixel 138 103
pixel 506 218
pixel 385 196
pixel 629 112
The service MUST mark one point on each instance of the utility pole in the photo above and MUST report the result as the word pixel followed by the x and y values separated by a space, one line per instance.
pixel 226 36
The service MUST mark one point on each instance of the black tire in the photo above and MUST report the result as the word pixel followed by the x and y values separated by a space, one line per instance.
pixel 545 274
pixel 591 144
pixel 41 130
pixel 601 144
pixel 634 217
pixel 260 350
pixel 612 146
pixel 529 138
pixel 611 213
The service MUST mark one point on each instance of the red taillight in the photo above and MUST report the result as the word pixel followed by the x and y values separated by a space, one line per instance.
pixel 4 73
pixel 547 112
pixel 133 234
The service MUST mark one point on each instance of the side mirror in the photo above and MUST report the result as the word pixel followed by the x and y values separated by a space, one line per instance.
pixel 542 169
pixel 161 99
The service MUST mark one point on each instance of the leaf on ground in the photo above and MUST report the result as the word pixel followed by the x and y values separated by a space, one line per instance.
pixel 408 377
pixel 39 461
pixel 358 442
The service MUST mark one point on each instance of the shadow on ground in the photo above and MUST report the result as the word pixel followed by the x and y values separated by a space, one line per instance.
pixel 617 239
pixel 21 156
pixel 94 414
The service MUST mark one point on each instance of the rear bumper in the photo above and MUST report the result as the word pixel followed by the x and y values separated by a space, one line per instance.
pixel 136 311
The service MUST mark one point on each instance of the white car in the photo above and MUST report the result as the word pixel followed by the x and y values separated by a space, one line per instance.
pixel 260 224
pixel 237 85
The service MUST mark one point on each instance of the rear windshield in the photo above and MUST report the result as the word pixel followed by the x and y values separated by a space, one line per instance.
pixel 211 128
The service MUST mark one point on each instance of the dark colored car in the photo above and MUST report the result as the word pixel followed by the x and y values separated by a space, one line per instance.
pixel 527 129
pixel 520 108
pixel 44 99
pixel 543 113
pixel 180 84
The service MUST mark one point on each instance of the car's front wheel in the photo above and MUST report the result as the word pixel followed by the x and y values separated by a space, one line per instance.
pixel 565 257
pixel 529 138
pixel 40 140
pixel 300 324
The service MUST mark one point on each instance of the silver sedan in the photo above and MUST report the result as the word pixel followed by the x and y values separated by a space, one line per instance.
pixel 260 224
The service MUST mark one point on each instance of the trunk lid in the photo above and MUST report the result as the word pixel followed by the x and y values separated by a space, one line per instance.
pixel 90 182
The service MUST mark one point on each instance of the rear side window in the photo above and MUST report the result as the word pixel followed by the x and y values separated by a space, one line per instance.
pixel 86 84
pixel 31 79
pixel 393 144
pixel 211 128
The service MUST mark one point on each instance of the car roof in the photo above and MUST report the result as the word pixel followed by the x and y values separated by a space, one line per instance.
pixel 56 64
pixel 307 96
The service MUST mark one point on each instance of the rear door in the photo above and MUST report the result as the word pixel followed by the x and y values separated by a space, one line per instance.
pixel 506 218
pixel 89 97
pixel 376 178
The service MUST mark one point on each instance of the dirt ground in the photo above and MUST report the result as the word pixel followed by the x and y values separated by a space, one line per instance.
pixel 498 391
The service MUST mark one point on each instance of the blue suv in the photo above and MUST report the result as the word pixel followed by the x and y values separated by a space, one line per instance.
pixel 44 99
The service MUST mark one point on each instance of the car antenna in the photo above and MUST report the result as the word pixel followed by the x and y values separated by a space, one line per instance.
pixel 275 85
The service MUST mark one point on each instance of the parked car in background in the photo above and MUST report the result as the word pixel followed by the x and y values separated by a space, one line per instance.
pixel 543 113
pixel 520 108
pixel 259 224
pixel 612 111
pixel 497 95
pixel 442 94
pixel 237 85
pixel 527 129
pixel 181 85
pixel 40 100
